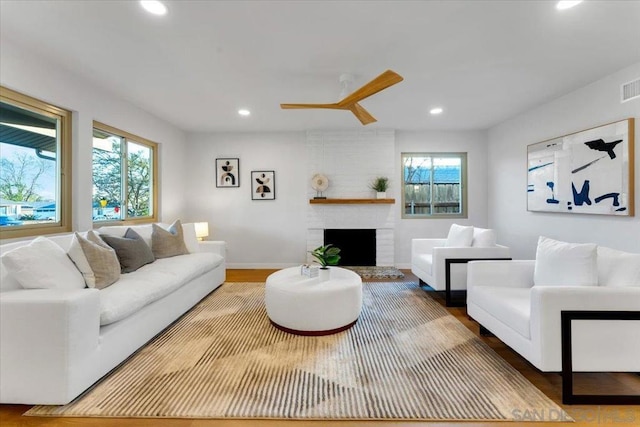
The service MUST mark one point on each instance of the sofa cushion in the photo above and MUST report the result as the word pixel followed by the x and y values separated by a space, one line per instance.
pixel 131 250
pixel 565 264
pixel 152 282
pixel 483 238
pixel 512 306
pixel 168 243
pixel 42 264
pixel 423 262
pixel 618 268
pixel 96 260
pixel 459 236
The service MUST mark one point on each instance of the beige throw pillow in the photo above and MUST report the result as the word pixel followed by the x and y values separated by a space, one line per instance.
pixel 96 260
pixel 168 243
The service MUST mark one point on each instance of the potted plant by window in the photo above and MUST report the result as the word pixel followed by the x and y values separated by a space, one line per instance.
pixel 325 256
pixel 380 186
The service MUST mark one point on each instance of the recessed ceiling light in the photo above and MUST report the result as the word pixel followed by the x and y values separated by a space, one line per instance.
pixel 436 110
pixel 567 4
pixel 154 6
pixel 244 112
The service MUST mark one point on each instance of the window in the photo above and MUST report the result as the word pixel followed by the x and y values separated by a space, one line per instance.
pixel 434 185
pixel 124 176
pixel 35 166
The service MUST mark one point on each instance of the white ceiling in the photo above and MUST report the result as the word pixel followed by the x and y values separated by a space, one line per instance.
pixel 483 61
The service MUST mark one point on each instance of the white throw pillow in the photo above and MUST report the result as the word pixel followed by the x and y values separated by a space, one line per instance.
pixel 484 238
pixel 459 236
pixel 190 239
pixel 617 268
pixel 42 264
pixel 565 264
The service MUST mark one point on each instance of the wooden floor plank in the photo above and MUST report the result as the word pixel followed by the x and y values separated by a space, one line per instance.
pixel 548 383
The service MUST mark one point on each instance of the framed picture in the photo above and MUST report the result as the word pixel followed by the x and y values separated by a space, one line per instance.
pixel 227 172
pixel 587 172
pixel 263 185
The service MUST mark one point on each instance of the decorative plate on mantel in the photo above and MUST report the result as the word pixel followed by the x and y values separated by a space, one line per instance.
pixel 320 183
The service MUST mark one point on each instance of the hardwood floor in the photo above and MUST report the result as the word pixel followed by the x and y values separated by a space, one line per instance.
pixel 548 383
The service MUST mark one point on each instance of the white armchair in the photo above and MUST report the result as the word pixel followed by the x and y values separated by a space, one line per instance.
pixel 575 308
pixel 443 266
pixel 501 296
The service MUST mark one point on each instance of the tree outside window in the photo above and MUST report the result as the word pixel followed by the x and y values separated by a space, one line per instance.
pixel 35 166
pixel 123 176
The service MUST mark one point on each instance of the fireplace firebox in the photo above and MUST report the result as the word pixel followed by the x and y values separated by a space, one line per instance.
pixel 357 246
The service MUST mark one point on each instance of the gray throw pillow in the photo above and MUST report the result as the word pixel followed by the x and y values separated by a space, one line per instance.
pixel 132 251
pixel 168 243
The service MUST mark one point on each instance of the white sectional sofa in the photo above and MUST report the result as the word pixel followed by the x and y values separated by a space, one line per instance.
pixel 502 297
pixel 55 343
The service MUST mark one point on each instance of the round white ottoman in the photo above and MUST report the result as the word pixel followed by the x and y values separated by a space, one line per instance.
pixel 306 306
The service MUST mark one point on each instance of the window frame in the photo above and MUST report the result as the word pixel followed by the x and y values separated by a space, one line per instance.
pixel 63 162
pixel 153 146
pixel 464 211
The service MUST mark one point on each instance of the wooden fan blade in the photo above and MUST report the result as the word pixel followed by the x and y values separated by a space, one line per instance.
pixel 383 81
pixel 296 106
pixel 362 114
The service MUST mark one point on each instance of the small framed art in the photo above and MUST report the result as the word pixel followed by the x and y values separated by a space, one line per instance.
pixel 227 172
pixel 263 185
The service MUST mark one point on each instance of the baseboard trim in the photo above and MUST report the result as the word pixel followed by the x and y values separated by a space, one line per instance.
pixel 260 266
pixel 269 266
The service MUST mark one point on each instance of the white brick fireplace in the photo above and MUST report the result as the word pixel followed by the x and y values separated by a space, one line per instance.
pixel 351 160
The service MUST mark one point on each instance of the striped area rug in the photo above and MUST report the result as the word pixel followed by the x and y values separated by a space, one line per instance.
pixel 407 358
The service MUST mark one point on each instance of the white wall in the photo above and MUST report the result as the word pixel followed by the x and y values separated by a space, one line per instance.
pixel 33 75
pixel 474 143
pixel 273 234
pixel 259 233
pixel 590 106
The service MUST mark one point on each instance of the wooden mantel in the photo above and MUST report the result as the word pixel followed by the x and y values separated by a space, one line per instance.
pixel 351 201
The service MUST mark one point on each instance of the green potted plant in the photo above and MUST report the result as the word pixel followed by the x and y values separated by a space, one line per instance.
pixel 325 256
pixel 380 186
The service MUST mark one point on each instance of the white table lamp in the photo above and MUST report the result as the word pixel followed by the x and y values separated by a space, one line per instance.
pixel 202 230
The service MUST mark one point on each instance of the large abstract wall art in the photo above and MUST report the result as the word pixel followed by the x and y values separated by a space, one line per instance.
pixel 589 172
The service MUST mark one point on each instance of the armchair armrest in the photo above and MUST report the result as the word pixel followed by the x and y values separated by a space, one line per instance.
pixel 48 339
pixel 471 252
pixel 458 278
pixel 513 274
pixel 425 246
pixel 218 247
pixel 598 345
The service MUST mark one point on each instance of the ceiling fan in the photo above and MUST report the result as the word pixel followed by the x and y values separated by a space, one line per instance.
pixel 350 102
